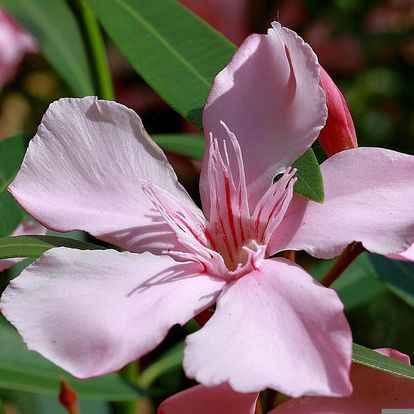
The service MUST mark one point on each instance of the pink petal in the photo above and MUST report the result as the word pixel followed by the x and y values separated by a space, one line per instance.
pixel 369 197
pixel 373 391
pixel 215 400
pixel 92 312
pixel 274 328
pixel 269 97
pixel 25 228
pixel 83 171
pixel 394 353
pixel 407 255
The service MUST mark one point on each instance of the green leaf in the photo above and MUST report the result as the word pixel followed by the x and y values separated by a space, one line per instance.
pixel 398 275
pixel 10 214
pixel 11 155
pixel 24 370
pixel 188 145
pixel 358 285
pixel 378 316
pixel 176 53
pixel 12 151
pixel 179 55
pixel 59 38
pixel 35 246
pixel 372 359
pixel 310 181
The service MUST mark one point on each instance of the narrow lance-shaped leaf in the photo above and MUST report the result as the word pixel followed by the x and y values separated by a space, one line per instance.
pixel 398 275
pixel 59 38
pixel 35 246
pixel 372 359
pixel 177 53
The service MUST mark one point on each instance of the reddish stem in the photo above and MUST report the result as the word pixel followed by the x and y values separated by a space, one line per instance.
pixel 258 409
pixel 290 255
pixel 203 317
pixel 344 260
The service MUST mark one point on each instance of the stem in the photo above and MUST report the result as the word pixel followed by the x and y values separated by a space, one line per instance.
pixel 258 409
pixel 268 400
pixel 95 47
pixel 290 255
pixel 344 260
pixel 129 373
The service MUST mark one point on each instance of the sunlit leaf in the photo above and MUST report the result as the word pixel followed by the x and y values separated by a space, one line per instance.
pixel 310 182
pixel 177 53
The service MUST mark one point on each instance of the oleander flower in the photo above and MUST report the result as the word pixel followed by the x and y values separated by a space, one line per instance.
pixel 93 167
pixel 373 390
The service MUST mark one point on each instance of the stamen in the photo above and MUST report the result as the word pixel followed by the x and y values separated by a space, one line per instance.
pixel 233 241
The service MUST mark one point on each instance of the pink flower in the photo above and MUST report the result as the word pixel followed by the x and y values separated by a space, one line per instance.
pixel 92 167
pixel 14 44
pixel 25 228
pixel 373 390
pixel 339 132
pixel 220 399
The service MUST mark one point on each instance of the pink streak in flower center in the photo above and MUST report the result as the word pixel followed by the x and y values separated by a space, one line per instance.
pixel 233 240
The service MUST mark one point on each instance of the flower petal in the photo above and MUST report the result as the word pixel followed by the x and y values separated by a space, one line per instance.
pixel 274 328
pixel 369 197
pixel 214 400
pixel 83 170
pixel 407 255
pixel 269 97
pixel 373 391
pixel 25 228
pixel 394 353
pixel 92 312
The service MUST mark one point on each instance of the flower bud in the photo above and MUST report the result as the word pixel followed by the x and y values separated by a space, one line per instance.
pixel 339 132
pixel 68 397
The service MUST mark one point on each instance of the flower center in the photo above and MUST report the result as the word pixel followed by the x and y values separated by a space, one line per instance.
pixel 237 233
pixel 233 240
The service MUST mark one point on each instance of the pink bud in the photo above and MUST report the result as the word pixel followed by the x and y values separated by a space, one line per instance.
pixel 339 132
